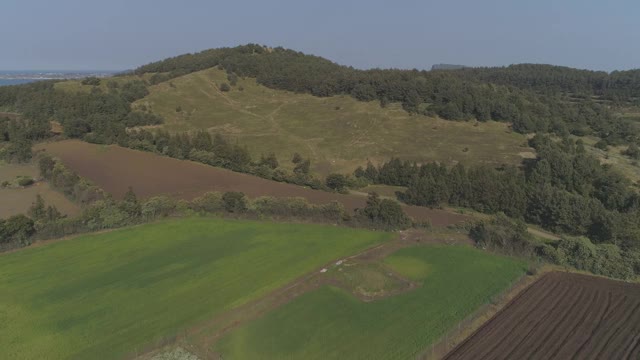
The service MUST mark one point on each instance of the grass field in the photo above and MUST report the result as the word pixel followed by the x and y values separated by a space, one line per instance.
pixel 332 323
pixel 338 133
pixel 17 200
pixel 104 295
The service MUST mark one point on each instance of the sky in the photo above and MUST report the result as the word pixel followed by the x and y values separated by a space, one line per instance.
pixel 123 34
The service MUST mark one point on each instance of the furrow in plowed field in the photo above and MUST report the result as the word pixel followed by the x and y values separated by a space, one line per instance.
pixel 562 316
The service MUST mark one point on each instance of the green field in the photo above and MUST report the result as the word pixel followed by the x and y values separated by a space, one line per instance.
pixel 330 323
pixel 338 133
pixel 105 295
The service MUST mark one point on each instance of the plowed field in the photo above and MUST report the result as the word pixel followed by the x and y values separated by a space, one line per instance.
pixel 562 316
pixel 115 168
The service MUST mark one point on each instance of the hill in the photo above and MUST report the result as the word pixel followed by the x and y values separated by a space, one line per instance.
pixel 338 133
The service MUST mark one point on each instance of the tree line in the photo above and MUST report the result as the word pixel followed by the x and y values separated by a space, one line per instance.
pixel 510 236
pixel 101 211
pixel 563 189
pixel 617 86
pixel 215 150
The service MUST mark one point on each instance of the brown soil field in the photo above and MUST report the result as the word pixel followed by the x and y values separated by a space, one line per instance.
pixel 17 200
pixel 116 168
pixel 562 316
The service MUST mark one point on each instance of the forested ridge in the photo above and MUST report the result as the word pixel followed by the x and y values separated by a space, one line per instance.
pixel 534 98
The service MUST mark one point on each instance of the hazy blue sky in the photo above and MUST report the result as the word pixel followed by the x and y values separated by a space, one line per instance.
pixel 121 34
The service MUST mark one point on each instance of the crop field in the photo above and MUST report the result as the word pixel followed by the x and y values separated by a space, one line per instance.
pixel 104 295
pixel 562 316
pixel 330 322
pixel 114 169
pixel 338 133
pixel 17 200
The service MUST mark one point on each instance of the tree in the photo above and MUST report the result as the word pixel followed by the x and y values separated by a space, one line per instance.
pixel 303 167
pixel 234 202
pixel 270 160
pixel 130 204
pixel 76 128
pixel 225 87
pixel 17 229
pixel 296 159
pixel 336 182
pixel 383 214
pixel 633 151
pixel 37 211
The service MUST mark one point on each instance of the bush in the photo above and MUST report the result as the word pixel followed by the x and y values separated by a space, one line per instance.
pixel 234 202
pixel 225 87
pixel 580 252
pixel 383 214
pixel 25 181
pixel 210 202
pixel 503 234
pixel 158 206
pixel 92 80
pixel 551 255
pixel 336 182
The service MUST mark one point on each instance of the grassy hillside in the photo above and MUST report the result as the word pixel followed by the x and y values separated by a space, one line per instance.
pixel 104 295
pixel 331 323
pixel 338 133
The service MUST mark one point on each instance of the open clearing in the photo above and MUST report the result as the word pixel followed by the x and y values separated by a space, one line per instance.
pixel 17 200
pixel 338 133
pixel 102 296
pixel 452 281
pixel 562 316
pixel 114 169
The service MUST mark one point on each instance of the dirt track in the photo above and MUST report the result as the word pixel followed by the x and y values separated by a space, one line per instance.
pixel 562 316
pixel 116 168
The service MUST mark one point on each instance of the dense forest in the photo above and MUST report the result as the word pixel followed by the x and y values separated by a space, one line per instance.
pixel 564 190
pixel 533 98
pixel 618 86
pixel 96 116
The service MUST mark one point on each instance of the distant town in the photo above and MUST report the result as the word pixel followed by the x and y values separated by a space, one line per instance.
pixel 52 75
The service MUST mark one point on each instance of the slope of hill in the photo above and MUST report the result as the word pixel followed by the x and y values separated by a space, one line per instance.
pixel 338 133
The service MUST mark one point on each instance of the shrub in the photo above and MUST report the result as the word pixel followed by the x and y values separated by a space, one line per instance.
pixel 225 87
pixel 503 234
pixel 210 202
pixel 383 214
pixel 158 206
pixel 25 181
pixel 336 182
pixel 234 202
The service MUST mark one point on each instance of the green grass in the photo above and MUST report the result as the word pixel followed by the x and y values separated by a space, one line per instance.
pixel 330 323
pixel 103 295
pixel 338 133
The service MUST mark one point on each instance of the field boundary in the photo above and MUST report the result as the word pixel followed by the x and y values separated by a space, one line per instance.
pixel 476 321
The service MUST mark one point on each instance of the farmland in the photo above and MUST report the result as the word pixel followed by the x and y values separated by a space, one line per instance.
pixel 338 133
pixel 104 295
pixel 331 322
pixel 562 316
pixel 17 200
pixel 115 168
